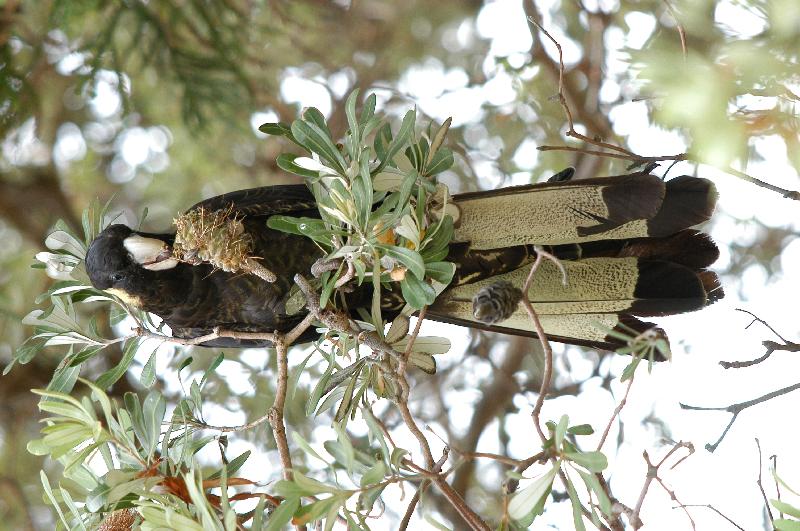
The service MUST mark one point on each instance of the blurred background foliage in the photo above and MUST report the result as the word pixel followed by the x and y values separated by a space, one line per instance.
pixel 157 104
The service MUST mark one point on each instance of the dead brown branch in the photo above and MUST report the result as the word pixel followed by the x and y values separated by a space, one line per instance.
pixel 770 346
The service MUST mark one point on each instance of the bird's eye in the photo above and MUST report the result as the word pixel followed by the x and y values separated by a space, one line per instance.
pixel 117 277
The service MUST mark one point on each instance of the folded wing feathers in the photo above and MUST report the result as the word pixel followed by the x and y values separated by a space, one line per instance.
pixel 625 242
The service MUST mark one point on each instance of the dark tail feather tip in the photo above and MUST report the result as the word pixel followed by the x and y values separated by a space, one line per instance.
pixel 688 202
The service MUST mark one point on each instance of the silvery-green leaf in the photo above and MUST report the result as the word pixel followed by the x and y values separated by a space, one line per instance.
pixel 286 162
pixel 336 214
pixel 348 452
pixel 296 301
pixel 281 516
pixel 786 508
pixel 593 484
pixel 408 229
pixel 561 430
pixel 97 298
pixel 784 524
pixel 416 292
pixel 32 318
pixel 63 241
pixel 411 259
pixel 58 266
pixel 441 272
pixel 60 316
pixel 577 507
pixel 306 485
pixel 375 474
pixel 424 362
pixel 403 163
pixel 309 163
pixel 591 461
pixel 352 171
pixel 426 344
pixel 398 329
pixel 388 180
pixel 70 289
pixel 70 338
pixel 525 504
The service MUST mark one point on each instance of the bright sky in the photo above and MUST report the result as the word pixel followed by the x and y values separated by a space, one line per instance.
pixel 726 478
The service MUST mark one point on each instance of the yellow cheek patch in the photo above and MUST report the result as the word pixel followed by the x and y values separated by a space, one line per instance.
pixel 126 297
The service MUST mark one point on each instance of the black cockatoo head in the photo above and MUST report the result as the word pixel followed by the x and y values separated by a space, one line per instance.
pixel 126 262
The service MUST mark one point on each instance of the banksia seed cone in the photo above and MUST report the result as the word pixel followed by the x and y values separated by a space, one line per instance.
pixel 496 302
pixel 120 520
pixel 217 238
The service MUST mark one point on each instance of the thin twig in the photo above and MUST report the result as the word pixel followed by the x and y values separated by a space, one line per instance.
pixel 470 517
pixel 757 319
pixel 761 486
pixel 735 409
pixel 415 333
pixel 619 152
pixel 616 412
pixel 652 474
pixel 788 194
pixel 227 429
pixel 709 506
pixel 412 505
pixel 770 346
pixel 215 334
pixel 681 31
pixel 774 459
pixel 537 324
pixel 275 414
pixel 624 156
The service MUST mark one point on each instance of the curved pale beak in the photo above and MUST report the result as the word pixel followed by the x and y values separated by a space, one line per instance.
pixel 150 253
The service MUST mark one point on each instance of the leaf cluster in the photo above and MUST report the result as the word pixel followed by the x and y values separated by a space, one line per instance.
pixel 146 468
pixel 382 216
pixel 566 460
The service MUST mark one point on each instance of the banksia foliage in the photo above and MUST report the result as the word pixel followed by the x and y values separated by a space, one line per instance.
pixel 496 302
pixel 219 239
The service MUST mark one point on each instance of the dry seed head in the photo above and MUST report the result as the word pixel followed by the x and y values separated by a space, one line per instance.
pixel 120 520
pixel 496 302
pixel 218 238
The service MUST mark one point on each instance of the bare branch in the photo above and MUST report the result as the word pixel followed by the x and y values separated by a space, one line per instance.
pixel 652 474
pixel 616 412
pixel 735 409
pixel 616 151
pixel 548 350
pixel 709 506
pixel 788 194
pixel 412 505
pixel 770 346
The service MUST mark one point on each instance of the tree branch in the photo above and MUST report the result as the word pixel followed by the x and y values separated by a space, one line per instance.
pixel 652 474
pixel 735 409
pixel 616 151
